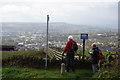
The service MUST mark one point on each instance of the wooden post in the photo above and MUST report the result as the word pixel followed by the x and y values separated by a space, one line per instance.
pixel 62 68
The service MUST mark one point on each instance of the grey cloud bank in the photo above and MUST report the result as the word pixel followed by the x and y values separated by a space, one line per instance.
pixel 96 13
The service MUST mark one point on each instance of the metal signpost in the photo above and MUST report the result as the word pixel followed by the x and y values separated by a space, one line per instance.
pixel 47 40
pixel 84 36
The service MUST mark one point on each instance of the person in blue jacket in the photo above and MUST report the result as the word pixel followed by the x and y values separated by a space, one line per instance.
pixel 94 57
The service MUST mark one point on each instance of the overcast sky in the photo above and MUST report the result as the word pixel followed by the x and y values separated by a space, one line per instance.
pixel 85 12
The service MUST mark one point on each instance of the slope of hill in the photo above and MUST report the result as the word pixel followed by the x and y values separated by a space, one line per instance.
pixel 58 27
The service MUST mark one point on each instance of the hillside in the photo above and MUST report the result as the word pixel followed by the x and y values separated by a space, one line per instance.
pixel 58 27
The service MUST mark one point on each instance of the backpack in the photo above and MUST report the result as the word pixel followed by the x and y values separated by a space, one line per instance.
pixel 100 56
pixel 73 47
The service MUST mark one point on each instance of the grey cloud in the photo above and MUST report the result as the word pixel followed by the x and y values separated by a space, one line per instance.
pixel 87 13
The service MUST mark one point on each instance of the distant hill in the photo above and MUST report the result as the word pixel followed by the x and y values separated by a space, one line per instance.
pixel 58 27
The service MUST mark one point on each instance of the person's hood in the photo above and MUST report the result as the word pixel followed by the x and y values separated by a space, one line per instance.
pixel 95 48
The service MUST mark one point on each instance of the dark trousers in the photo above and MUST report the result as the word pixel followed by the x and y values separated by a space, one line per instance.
pixel 70 61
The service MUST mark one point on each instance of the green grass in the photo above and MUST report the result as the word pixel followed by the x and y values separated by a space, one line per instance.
pixel 86 52
pixel 17 72
pixel 6 54
pixel 81 52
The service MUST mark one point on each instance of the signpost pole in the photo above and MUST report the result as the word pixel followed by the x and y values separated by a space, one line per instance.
pixel 83 48
pixel 84 36
pixel 47 40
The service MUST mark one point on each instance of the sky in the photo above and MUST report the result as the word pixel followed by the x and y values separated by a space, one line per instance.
pixel 84 12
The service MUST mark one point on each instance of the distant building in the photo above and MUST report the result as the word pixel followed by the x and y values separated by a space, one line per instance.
pixel 99 34
pixel 20 44
pixel 7 48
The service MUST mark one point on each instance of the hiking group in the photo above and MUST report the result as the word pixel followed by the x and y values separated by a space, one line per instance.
pixel 70 49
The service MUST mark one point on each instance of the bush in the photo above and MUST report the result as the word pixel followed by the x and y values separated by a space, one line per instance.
pixel 110 69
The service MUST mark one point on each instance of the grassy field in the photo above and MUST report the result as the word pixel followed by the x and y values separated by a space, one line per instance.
pixel 20 72
pixel 17 72
pixel 86 53
pixel 6 54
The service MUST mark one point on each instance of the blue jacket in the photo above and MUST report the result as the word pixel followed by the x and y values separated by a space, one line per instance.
pixel 95 55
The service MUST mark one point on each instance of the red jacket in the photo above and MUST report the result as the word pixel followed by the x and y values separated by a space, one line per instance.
pixel 68 46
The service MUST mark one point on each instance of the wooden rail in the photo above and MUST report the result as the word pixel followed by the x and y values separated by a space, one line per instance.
pixel 57 55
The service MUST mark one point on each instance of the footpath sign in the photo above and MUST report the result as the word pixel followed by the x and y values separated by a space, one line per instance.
pixel 84 36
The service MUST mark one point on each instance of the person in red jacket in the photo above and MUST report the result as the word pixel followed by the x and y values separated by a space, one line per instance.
pixel 70 53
